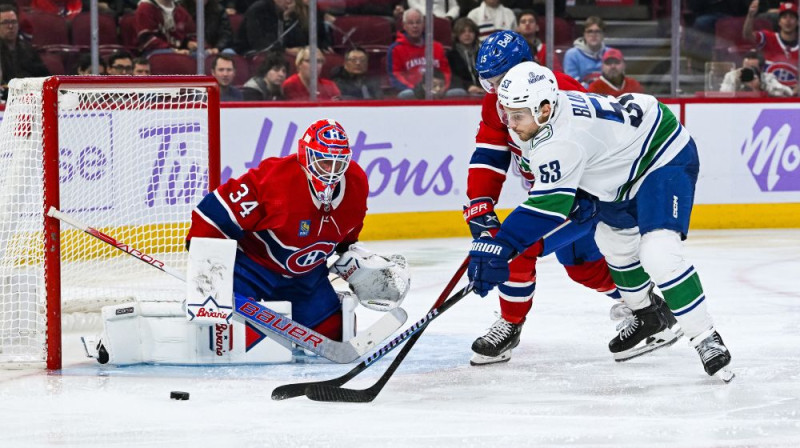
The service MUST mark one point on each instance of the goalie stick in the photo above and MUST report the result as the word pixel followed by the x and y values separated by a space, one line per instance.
pixel 265 318
pixel 331 388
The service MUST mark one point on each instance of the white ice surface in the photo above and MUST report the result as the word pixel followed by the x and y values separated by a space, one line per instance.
pixel 561 387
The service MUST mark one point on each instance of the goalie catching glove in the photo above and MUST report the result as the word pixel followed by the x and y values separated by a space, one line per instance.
pixel 380 283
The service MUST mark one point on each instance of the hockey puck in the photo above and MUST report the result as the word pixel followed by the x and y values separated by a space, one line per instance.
pixel 177 395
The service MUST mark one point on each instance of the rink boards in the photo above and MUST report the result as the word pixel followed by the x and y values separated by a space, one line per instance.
pixel 417 156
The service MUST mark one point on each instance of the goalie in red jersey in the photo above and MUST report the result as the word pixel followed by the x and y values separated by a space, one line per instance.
pixel 288 216
pixel 573 245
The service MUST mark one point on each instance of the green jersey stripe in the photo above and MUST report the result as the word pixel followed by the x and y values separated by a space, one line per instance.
pixel 667 127
pixel 558 204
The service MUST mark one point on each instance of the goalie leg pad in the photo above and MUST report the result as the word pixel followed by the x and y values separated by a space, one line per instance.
pixel 158 333
pixel 381 283
pixel 209 284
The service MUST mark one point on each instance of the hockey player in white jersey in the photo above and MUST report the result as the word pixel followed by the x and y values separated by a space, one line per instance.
pixel 633 156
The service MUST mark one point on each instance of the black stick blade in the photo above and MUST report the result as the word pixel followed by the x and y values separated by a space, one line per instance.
pixel 319 392
pixel 289 391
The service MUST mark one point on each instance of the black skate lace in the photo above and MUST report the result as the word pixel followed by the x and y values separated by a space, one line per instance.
pixel 627 327
pixel 709 350
pixel 499 331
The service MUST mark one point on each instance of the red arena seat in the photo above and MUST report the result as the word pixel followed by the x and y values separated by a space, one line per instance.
pixel 82 31
pixel 172 64
pixel 47 29
pixel 349 31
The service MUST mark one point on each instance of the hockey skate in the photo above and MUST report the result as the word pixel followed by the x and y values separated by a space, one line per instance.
pixel 663 338
pixel 495 346
pixel 714 354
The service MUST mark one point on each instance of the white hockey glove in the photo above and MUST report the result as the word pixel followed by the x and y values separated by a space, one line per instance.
pixel 380 283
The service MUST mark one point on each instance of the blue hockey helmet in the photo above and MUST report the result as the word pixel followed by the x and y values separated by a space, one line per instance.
pixel 498 53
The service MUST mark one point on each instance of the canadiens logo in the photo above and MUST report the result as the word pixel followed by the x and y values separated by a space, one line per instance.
pixel 308 258
pixel 305 227
pixel 332 136
pixel 786 73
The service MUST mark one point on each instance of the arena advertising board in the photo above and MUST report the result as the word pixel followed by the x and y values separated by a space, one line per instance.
pixel 749 152
pixel 416 158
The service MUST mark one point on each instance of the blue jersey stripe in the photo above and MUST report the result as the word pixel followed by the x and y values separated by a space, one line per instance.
pixel 496 159
pixel 213 209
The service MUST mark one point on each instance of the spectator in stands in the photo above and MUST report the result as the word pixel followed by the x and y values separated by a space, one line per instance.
pixel 613 81
pixel 392 8
pixel 218 31
pixel 352 79
pixel 278 25
pixel 84 66
pixel 65 8
pixel 769 10
pixel 780 49
pixel 491 16
pixel 296 87
pixel 445 9
pixel 750 78
pixel 18 59
pixel 120 63
pixel 528 28
pixel 141 67
pixel 406 56
pixel 267 84
pixel 223 69
pixel 114 7
pixel 701 36
pixel 585 59
pixel 461 56
pixel 438 87
pixel 164 26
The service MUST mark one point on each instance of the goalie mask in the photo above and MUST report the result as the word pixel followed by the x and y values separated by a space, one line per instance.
pixel 324 153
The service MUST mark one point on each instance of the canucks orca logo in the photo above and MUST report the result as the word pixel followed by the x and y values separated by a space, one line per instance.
pixel 305 227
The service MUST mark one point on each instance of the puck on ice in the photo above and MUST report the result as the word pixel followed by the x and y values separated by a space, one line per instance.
pixel 177 395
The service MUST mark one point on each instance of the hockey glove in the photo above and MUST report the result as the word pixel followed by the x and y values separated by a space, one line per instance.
pixel 480 217
pixel 488 263
pixel 584 208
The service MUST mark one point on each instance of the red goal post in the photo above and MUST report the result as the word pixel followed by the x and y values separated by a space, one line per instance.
pixel 129 155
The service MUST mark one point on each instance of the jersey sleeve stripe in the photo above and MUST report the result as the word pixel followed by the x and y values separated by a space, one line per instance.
pixel 487 167
pixel 211 223
pixel 570 191
pixel 492 147
pixel 555 205
pixel 213 208
pixel 668 130
pixel 492 158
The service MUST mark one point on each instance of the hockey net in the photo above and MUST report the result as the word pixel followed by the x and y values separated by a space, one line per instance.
pixel 129 156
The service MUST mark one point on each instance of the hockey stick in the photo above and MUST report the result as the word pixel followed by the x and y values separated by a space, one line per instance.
pixel 265 318
pixel 331 388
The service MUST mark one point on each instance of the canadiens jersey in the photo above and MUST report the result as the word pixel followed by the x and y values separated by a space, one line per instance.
pixel 601 145
pixel 780 60
pixel 496 147
pixel 276 221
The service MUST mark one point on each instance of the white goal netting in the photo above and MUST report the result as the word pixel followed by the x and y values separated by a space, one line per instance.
pixel 132 161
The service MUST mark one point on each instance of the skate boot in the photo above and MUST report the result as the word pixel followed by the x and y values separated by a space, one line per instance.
pixel 495 346
pixel 634 331
pixel 674 330
pixel 714 354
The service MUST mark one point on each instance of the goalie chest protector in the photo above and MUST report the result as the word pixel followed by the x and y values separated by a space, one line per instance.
pixel 286 231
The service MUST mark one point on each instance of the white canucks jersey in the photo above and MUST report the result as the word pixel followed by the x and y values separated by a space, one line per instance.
pixel 601 145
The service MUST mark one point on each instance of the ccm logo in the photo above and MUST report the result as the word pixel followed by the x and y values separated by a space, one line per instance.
pixel 279 323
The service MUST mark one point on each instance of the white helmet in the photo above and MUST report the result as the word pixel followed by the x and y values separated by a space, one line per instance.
pixel 529 85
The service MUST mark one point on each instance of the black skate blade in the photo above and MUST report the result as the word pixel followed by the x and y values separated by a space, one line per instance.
pixel 320 392
pixel 640 350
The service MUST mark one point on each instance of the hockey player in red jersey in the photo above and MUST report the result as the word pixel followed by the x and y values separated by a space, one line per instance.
pixel 574 246
pixel 288 215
